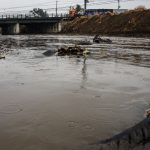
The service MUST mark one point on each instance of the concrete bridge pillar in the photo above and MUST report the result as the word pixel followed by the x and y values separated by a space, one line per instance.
pixel 16 29
pixel 57 27
pixel 11 29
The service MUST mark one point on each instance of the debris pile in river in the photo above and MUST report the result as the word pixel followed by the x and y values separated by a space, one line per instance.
pixel 98 39
pixel 76 50
pixel 3 52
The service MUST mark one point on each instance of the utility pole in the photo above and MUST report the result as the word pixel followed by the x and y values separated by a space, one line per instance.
pixel 119 4
pixel 56 8
pixel 85 4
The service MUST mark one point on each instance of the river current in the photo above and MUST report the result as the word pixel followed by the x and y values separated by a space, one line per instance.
pixel 69 102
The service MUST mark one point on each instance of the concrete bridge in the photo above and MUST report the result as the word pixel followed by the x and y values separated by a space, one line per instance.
pixel 23 24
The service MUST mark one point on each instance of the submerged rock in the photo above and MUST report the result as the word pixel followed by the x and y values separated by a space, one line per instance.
pixel 128 139
pixel 49 53
pixel 98 39
pixel 84 43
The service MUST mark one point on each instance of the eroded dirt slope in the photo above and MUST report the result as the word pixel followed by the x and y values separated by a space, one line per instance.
pixel 131 22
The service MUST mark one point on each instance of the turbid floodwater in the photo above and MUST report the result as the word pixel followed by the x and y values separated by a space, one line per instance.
pixel 70 102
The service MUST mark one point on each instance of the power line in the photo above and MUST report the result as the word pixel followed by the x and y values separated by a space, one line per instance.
pixel 64 7
pixel 108 2
pixel 37 4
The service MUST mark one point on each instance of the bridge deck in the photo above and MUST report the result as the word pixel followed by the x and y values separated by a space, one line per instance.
pixel 11 19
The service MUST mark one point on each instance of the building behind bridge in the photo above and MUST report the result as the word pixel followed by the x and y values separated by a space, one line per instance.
pixel 103 11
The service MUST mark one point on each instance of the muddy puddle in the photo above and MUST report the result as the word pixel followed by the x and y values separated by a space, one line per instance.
pixel 69 102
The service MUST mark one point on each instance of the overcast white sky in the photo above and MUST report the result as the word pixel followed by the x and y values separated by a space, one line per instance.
pixel 24 5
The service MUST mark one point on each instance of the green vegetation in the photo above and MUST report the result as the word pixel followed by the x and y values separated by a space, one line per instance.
pixel 78 8
pixel 38 12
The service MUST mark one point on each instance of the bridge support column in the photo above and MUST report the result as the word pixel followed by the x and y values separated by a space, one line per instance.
pixel 11 29
pixel 16 29
pixel 57 27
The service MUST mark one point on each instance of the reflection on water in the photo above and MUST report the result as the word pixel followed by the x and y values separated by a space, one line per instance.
pixel 70 102
pixel 84 73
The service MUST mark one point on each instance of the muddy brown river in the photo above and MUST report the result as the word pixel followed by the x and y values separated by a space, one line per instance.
pixel 70 102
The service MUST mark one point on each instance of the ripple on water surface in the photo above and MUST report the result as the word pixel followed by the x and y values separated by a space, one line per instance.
pixel 68 102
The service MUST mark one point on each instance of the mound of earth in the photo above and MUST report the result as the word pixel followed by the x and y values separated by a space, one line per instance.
pixel 131 22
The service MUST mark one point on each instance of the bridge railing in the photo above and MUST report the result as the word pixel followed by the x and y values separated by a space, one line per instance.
pixel 28 16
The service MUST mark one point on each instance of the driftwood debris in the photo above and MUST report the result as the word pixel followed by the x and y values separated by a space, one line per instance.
pixel 76 50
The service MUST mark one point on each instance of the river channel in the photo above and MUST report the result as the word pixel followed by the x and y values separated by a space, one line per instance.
pixel 69 102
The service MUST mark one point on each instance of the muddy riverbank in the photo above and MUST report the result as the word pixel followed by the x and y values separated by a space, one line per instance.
pixel 70 102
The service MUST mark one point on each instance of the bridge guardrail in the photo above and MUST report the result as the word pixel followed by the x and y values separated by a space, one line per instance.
pixel 28 16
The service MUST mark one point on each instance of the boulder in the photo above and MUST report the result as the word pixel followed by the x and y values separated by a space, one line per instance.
pixel 130 138
pixel 2 57
pixel 98 39
pixel 49 53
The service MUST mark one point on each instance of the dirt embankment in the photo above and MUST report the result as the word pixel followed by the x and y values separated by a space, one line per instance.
pixel 131 22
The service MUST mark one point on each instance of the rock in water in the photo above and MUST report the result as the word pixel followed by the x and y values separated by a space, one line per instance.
pixel 2 57
pixel 98 39
pixel 49 53
pixel 130 138
pixel 84 43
